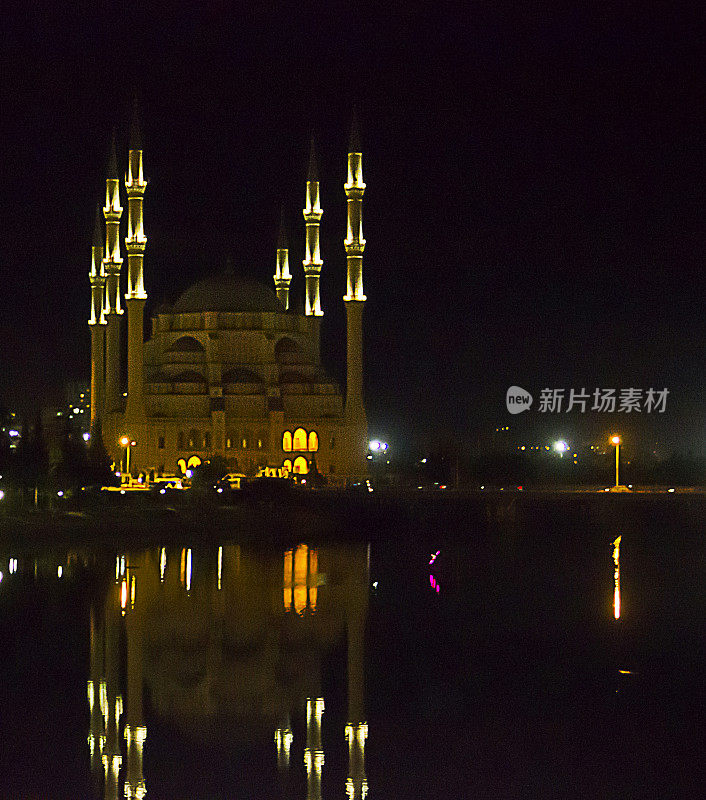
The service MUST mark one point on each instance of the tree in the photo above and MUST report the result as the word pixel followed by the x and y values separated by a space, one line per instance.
pixel 99 472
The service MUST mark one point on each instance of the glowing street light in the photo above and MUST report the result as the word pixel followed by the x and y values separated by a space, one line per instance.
pixel 561 447
pixel 128 444
pixel 615 440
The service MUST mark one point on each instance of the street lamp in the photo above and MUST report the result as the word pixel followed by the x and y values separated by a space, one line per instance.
pixel 128 444
pixel 616 441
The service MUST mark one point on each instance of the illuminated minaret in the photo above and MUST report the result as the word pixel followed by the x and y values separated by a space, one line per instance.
pixel 136 296
pixel 314 752
pixel 98 324
pixel 355 299
pixel 312 259
pixel 282 275
pixel 112 263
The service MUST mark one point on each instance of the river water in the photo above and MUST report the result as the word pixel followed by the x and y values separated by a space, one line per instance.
pixel 533 658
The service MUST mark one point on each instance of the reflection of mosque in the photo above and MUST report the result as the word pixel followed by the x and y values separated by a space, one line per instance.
pixel 228 640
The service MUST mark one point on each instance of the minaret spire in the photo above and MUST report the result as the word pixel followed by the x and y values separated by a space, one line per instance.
pixel 282 275
pixel 112 264
pixel 136 296
pixel 354 299
pixel 97 323
pixel 312 216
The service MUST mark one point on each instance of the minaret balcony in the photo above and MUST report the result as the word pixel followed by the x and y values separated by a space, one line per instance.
pixel 112 214
pixel 312 215
pixel 354 247
pixel 354 190
pixel 135 244
pixel 313 267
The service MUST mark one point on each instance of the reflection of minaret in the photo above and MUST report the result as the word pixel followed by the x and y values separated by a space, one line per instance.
pixel 314 751
pixel 114 702
pixel 357 728
pixel 97 701
pixel 135 731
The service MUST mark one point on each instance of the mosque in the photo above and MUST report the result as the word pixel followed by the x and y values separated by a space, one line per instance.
pixel 231 369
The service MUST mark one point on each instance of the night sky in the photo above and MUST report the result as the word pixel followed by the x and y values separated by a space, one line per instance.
pixel 534 210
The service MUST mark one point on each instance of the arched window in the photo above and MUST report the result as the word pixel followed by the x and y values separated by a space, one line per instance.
pixel 301 466
pixel 287 442
pixel 299 440
pixel 313 441
pixel 194 440
pixel 181 466
pixel 194 461
pixel 229 443
pixel 180 440
pixel 287 465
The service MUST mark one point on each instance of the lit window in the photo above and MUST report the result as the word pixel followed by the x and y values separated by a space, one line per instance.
pixel 301 466
pixel 287 441
pixel 245 443
pixel 181 465
pixel 229 443
pixel 313 441
pixel 287 465
pixel 194 440
pixel 259 444
pixel 299 440
pixel 194 461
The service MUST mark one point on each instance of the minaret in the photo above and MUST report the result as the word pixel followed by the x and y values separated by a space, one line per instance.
pixel 314 752
pixel 312 259
pixel 136 296
pixel 282 275
pixel 355 299
pixel 112 263
pixel 98 324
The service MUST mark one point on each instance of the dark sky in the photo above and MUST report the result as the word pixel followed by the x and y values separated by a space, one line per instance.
pixel 534 211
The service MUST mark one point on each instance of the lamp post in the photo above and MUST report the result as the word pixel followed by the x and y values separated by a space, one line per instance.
pixel 128 444
pixel 616 441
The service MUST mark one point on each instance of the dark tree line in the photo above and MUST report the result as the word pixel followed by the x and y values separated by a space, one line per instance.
pixel 39 466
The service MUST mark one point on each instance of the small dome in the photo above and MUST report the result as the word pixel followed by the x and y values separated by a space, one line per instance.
pixel 227 292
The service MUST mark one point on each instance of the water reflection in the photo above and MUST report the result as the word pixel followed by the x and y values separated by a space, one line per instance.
pixel 225 642
pixel 616 577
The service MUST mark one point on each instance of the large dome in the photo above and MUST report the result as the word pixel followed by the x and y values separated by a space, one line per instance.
pixel 227 292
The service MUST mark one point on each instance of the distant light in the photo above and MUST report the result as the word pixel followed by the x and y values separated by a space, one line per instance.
pixel 13 433
pixel 423 461
pixel 220 490
pixel 122 491
pixel 124 441
pixel 375 445
pixel 59 571
pixel 60 493
pixel 483 486
pixel 189 473
pixel 615 440
pixel 2 494
pixel 375 584
pixel 606 490
pixel 0 576
pixel 162 491
pixel 670 490
pixel 561 446
pixel 76 410
pixel 86 436
pixel 369 457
